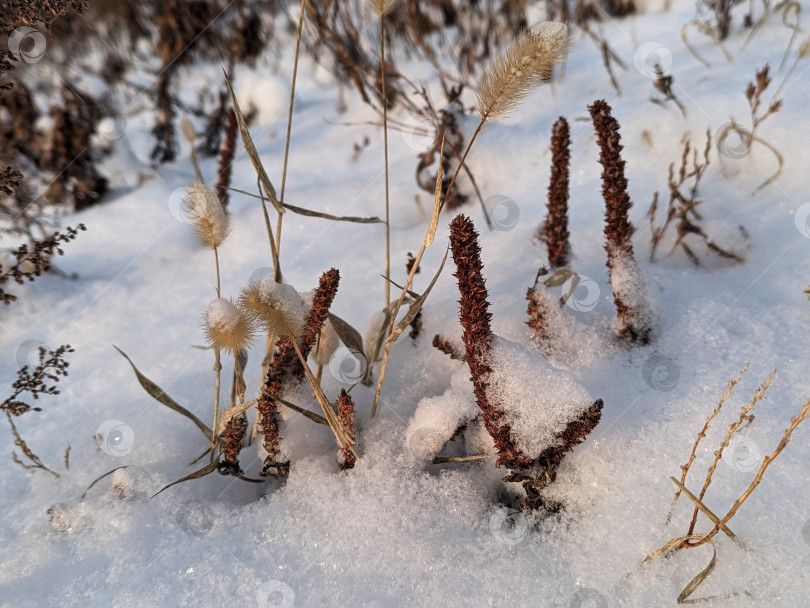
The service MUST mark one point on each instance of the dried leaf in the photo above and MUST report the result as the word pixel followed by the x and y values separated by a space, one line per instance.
pixel 97 479
pixel 559 277
pixel 417 305
pixel 320 214
pixel 250 148
pixel 347 334
pixel 206 470
pixel 158 394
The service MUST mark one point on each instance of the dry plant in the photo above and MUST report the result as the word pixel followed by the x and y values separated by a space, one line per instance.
pixel 41 380
pixel 31 260
pixel 279 311
pixel 554 230
pixel 759 112
pixel 720 524
pixel 682 209
pixel 533 472
pixel 663 84
pixel 503 85
pixel 633 321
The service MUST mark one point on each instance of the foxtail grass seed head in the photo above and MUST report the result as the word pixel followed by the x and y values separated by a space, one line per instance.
pixel 277 307
pixel 206 214
pixel 382 7
pixel 188 129
pixel 227 328
pixel 525 64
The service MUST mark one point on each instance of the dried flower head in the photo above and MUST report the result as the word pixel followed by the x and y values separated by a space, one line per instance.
pixel 206 214
pixel 227 327
pixel 277 307
pixel 525 64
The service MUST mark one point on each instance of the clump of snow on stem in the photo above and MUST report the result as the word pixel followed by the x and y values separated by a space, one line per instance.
pixel 539 401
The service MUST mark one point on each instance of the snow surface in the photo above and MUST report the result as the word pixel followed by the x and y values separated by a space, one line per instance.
pixel 390 532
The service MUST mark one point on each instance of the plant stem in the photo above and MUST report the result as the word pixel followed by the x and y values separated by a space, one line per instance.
pixel 287 141
pixel 463 158
pixel 216 263
pixel 385 145
pixel 218 370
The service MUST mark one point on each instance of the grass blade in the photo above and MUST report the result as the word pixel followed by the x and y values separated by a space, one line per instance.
pixel 326 216
pixel 160 395
pixel 206 470
pixel 347 334
pixel 250 148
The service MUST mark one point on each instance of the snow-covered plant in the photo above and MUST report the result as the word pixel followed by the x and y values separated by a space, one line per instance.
pixel 276 307
pixel 227 328
pixel 634 315
pixel 533 421
pixel 281 309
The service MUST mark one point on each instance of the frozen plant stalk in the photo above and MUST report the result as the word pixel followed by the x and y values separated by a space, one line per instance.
pixel 634 318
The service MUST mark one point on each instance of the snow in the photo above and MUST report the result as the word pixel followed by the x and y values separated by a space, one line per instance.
pixel 436 419
pixel 222 315
pixel 539 400
pixel 393 531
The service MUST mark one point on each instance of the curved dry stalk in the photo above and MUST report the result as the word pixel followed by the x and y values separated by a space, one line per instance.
pixel 744 133
pixel 426 242
pixel 795 27
pixel 711 33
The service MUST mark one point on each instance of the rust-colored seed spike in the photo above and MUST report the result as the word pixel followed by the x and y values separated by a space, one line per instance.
pixel 321 303
pixel 234 436
pixel 277 371
pixel 226 155
pixel 556 226
pixel 477 335
pixel 345 408
pixel 632 326
pixel 618 229
pixel 538 310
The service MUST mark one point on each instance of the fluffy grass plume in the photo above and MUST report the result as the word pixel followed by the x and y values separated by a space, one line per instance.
pixel 382 7
pixel 525 64
pixel 274 306
pixel 206 214
pixel 226 327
